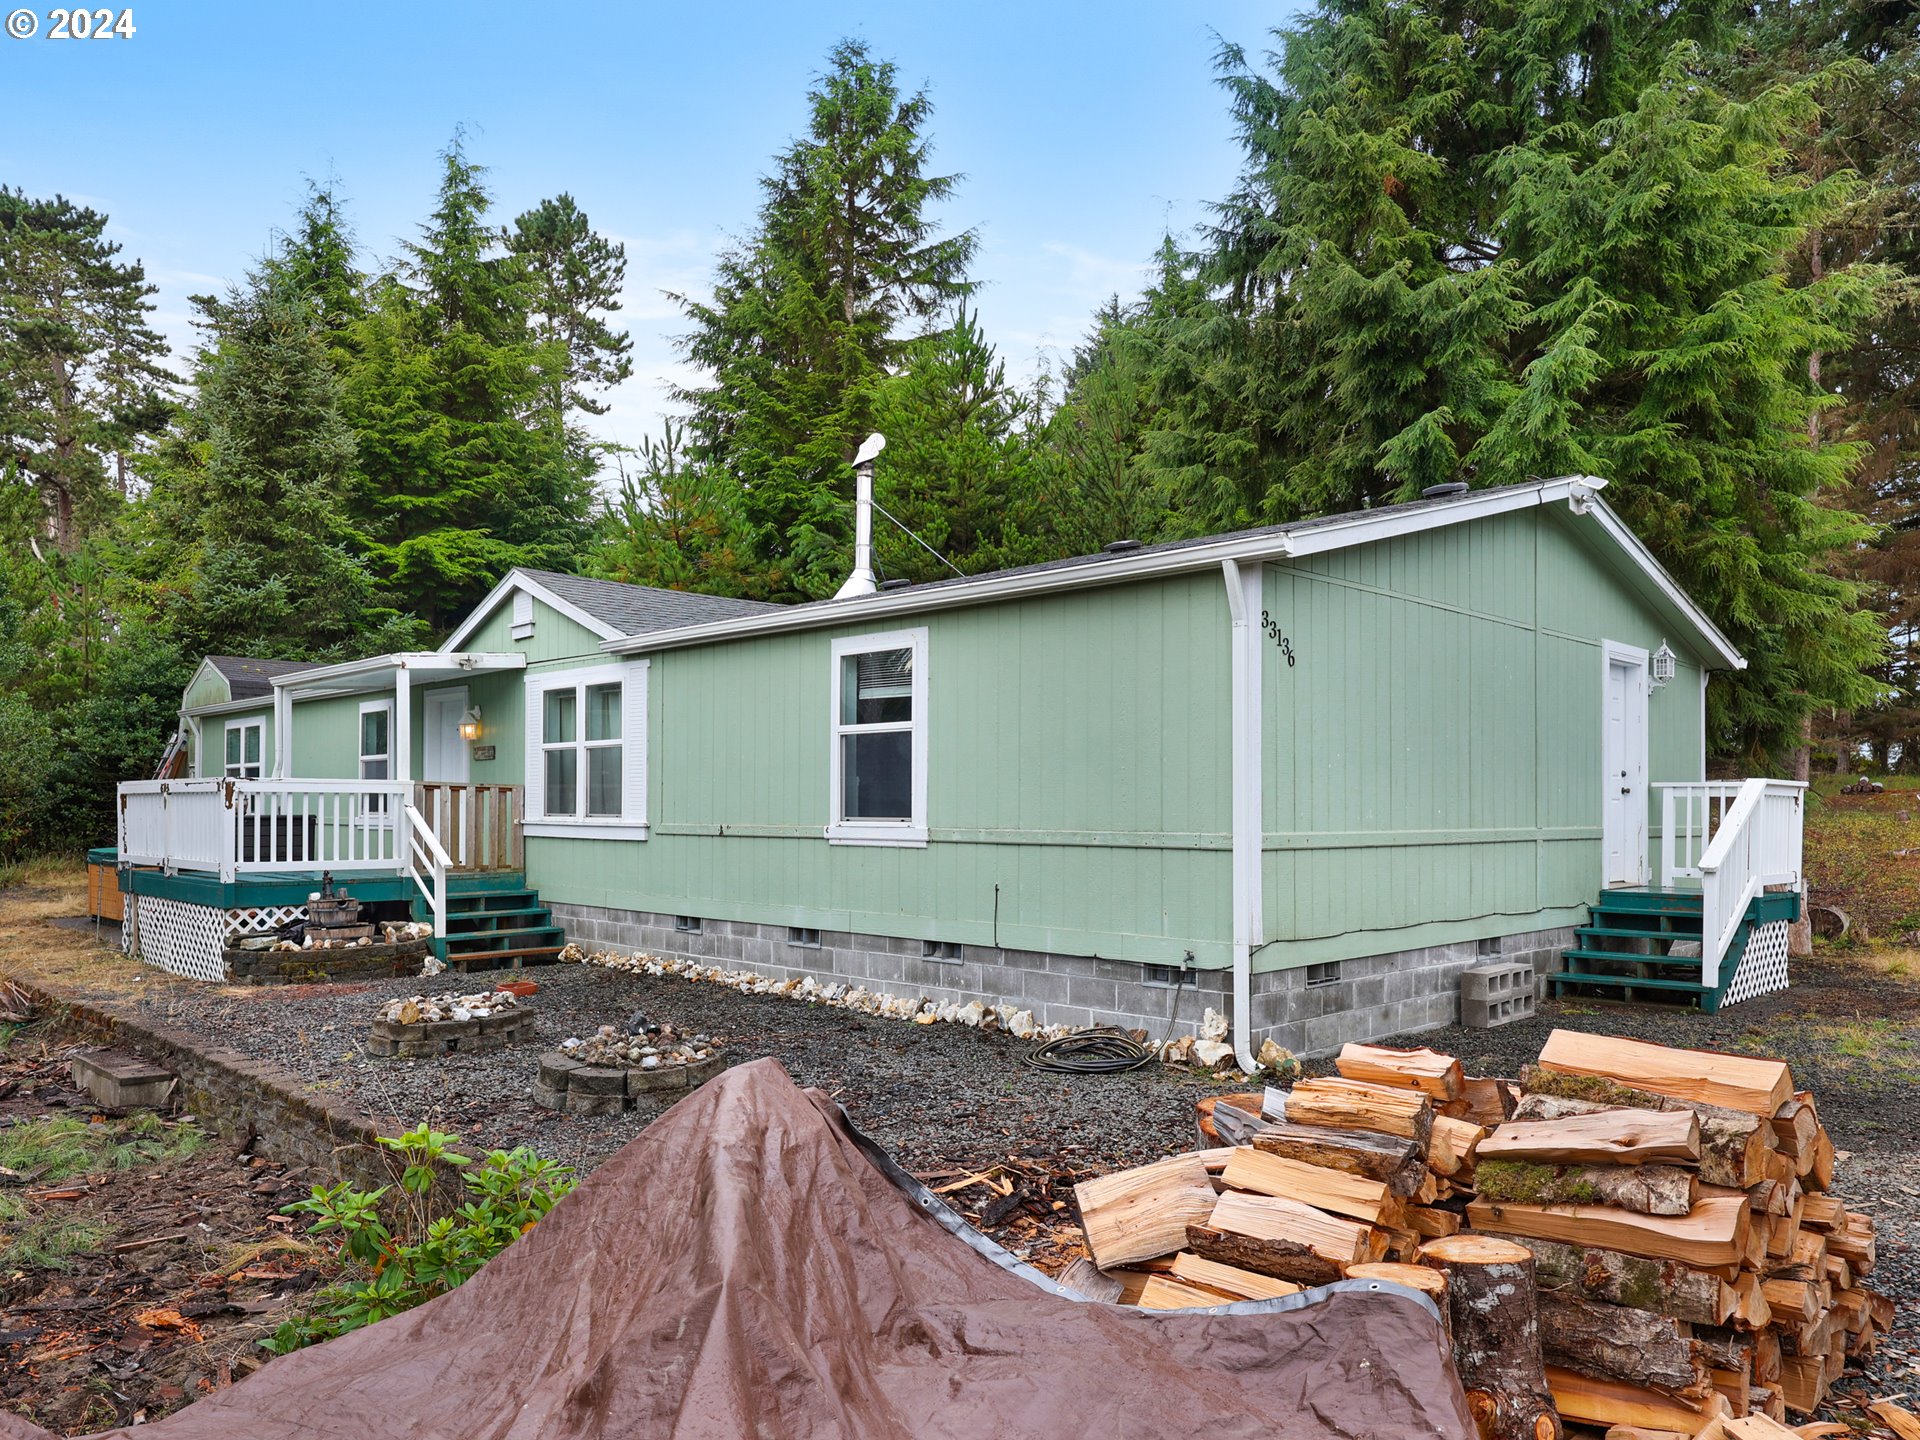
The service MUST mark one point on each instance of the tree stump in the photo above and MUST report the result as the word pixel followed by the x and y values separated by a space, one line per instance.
pixel 1496 1335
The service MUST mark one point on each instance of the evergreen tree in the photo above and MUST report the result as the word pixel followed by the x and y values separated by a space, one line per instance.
pixel 575 275
pixel 81 374
pixel 807 314
pixel 676 524
pixel 318 261
pixel 463 471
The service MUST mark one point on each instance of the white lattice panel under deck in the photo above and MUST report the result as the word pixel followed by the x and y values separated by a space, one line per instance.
pixel 1763 967
pixel 262 920
pixel 179 938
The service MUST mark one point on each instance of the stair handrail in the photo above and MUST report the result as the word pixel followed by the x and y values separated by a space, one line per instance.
pixel 427 865
pixel 1757 844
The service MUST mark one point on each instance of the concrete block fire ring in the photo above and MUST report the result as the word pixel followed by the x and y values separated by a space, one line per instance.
pixel 578 1088
pixel 120 1081
pixel 445 1037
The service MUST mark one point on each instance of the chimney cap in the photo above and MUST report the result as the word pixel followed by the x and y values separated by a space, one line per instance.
pixel 870 448
pixel 1444 492
pixel 900 584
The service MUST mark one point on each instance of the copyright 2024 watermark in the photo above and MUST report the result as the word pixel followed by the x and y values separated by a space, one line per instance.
pixel 103 24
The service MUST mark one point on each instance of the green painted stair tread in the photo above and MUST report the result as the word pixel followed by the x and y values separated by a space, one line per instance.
pixel 1617 932
pixel 1627 982
pixel 504 959
pixel 1628 957
pixel 489 939
pixel 479 918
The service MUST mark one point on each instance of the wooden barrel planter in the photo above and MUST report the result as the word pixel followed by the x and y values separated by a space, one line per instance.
pixel 424 1038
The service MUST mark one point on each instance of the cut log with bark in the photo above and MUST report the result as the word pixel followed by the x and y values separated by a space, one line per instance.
pixel 1489 1101
pixel 1144 1212
pixel 1714 1234
pixel 1644 1189
pixel 1334 1191
pixel 1428 1071
pixel 1271 1217
pixel 1248 1104
pixel 1733 1145
pixel 1736 1082
pixel 1280 1258
pixel 1602 1137
pixel 1454 1145
pixel 1396 1161
pixel 1355 1105
pixel 1230 1280
pixel 1494 1312
pixel 1615 1402
pixel 1618 1343
pixel 1161 1293
pixel 1662 1286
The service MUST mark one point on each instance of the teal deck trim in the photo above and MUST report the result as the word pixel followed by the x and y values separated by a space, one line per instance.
pixel 261 889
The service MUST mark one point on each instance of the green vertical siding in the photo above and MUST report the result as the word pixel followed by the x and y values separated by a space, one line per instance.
pixel 208 687
pixel 1432 759
pixel 214 729
pixel 555 637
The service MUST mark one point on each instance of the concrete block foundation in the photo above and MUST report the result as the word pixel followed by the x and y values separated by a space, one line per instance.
pixel 1309 1009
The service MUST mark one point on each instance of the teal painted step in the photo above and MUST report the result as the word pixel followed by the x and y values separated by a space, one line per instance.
pixel 1601 961
pixel 494 922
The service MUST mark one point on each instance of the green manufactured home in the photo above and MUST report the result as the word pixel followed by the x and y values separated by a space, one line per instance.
pixel 1320 768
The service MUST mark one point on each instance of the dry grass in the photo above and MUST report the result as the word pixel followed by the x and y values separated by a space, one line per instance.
pixel 1863 857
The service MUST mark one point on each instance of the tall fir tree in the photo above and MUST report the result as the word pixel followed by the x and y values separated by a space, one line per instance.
pixel 675 523
pixel 808 315
pixel 82 375
pixel 575 277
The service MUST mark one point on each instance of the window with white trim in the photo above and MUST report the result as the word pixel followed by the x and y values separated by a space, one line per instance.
pixel 586 750
pixel 878 761
pixel 376 748
pixel 244 749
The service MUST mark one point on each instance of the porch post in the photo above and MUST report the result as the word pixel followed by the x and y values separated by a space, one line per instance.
pixel 282 731
pixel 403 725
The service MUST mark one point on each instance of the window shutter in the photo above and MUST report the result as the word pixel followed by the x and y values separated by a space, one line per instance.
pixel 536 772
pixel 522 615
pixel 633 735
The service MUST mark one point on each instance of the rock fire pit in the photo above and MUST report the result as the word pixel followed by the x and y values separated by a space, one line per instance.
pixel 420 1025
pixel 606 1072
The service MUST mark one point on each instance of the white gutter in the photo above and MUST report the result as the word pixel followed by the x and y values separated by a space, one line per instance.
pixel 1362 527
pixel 428 661
pixel 1246 580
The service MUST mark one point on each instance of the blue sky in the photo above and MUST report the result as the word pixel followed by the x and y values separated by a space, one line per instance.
pixel 1083 131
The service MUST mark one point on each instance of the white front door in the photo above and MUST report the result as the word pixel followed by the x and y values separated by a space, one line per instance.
pixel 445 755
pixel 1623 766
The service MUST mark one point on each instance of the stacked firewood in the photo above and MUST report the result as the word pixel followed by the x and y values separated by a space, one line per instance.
pixel 1628 1235
pixel 1691 1258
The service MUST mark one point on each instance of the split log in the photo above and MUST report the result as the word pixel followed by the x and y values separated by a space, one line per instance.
pixel 1355 1105
pixel 1334 1191
pixel 1454 1145
pixel 1432 1224
pixel 1496 1335
pixel 1144 1212
pixel 1230 1280
pixel 1614 1402
pixel 1428 1071
pixel 1854 1243
pixel 1271 1217
pixel 1427 1281
pixel 1824 1212
pixel 1082 1277
pixel 1643 1189
pixel 1640 1432
pixel 1796 1125
pixel 1203 1109
pixel 1280 1258
pixel 1662 1286
pixel 1602 1137
pixel 1489 1101
pixel 1234 1125
pixel 1714 1234
pixel 1903 1423
pixel 1736 1082
pixel 1160 1293
pixel 1617 1343
pixel 1397 1162
pixel 1732 1145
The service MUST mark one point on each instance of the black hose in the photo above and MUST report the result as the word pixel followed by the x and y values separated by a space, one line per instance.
pixel 1103 1050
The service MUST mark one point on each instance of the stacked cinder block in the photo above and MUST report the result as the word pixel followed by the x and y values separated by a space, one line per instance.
pixel 1496 994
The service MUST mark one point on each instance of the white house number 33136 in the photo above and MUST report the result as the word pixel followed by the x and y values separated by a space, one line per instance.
pixel 1278 636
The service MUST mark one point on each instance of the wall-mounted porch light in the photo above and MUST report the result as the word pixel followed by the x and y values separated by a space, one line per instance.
pixel 1662 664
pixel 470 724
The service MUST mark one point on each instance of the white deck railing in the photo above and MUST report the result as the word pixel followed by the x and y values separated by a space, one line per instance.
pixel 1690 813
pixel 1755 842
pixel 427 865
pixel 233 826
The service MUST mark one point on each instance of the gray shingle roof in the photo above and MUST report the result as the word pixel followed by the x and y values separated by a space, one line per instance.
pixel 249 679
pixel 638 609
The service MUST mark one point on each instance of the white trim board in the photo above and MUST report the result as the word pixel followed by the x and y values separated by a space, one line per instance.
pixel 912 831
pixel 520 581
pixel 1579 492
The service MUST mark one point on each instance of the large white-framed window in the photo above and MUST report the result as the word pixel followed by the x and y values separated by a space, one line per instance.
pixel 587 752
pixel 877 761
pixel 376 749
pixel 244 749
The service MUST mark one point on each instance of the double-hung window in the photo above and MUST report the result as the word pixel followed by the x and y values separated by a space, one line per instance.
pixel 243 749
pixel 376 750
pixel 878 761
pixel 586 760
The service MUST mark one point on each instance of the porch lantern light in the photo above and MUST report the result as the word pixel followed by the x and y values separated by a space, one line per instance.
pixel 1662 664
pixel 470 724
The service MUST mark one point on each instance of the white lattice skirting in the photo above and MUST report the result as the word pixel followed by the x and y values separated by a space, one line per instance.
pixel 185 939
pixel 1763 966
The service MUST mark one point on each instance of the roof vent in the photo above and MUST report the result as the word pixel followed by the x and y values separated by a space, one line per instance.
pixel 1121 547
pixel 895 584
pixel 1444 492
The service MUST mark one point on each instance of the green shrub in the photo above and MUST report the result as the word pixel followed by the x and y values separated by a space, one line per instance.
pixel 509 1191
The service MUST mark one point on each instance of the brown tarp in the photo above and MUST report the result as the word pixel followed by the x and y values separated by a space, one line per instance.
pixel 748 1266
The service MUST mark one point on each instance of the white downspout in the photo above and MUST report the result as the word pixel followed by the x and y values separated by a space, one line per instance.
pixel 861 581
pixel 1245 580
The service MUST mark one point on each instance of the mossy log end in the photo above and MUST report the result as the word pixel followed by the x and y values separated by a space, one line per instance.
pixel 1643 1189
